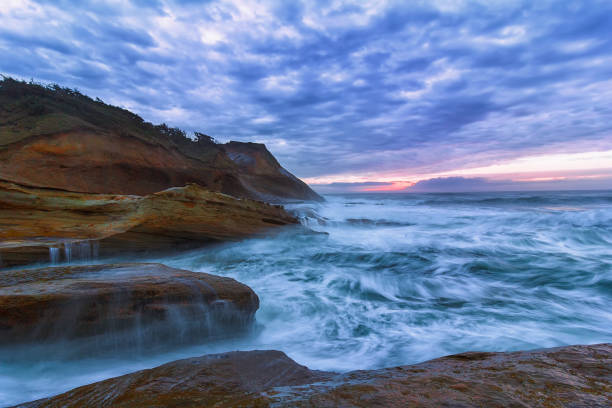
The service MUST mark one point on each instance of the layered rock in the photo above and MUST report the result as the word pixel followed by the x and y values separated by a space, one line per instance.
pixel 57 138
pixel 95 161
pixel 262 175
pixel 574 376
pixel 35 222
pixel 119 306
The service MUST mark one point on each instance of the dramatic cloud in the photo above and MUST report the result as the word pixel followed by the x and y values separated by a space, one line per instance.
pixel 339 91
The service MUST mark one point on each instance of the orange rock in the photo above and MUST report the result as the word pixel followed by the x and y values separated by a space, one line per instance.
pixel 262 175
pixel 93 161
pixel 34 220
pixel 573 376
pixel 57 138
pixel 120 306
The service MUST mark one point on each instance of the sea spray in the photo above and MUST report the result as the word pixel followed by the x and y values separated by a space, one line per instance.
pixel 399 278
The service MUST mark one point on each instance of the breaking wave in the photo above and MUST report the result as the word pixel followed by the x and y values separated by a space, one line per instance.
pixel 392 279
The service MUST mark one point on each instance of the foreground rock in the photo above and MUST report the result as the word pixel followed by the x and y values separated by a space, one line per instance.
pixel 120 306
pixel 38 224
pixel 574 376
pixel 57 138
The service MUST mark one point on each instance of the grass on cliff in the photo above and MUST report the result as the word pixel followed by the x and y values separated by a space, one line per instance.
pixel 30 109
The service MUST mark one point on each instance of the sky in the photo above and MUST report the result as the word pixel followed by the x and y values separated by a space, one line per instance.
pixel 440 95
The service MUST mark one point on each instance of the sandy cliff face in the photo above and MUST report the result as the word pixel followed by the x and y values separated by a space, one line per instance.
pixel 262 175
pixel 93 161
pixel 74 171
pixel 58 138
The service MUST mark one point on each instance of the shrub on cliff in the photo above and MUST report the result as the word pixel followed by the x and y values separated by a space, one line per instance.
pixel 30 108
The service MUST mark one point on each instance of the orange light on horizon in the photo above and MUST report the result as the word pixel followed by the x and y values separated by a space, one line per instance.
pixel 536 179
pixel 393 186
pixel 537 168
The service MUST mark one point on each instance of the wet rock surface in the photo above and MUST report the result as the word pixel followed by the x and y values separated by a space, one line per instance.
pixel 120 306
pixel 573 376
pixel 234 379
pixel 36 222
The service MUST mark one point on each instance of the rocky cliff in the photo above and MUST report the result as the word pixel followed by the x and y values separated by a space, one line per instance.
pixel 57 138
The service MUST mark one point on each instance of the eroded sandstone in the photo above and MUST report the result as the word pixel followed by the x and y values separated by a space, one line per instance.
pixel 35 222
pixel 55 137
pixel 573 376
pixel 120 306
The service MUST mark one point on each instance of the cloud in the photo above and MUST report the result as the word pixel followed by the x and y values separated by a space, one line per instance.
pixel 602 181
pixel 477 184
pixel 353 88
pixel 458 185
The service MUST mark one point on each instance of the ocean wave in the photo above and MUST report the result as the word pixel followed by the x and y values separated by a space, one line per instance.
pixel 397 279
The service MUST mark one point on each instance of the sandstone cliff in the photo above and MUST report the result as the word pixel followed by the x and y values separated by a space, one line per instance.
pixel 58 138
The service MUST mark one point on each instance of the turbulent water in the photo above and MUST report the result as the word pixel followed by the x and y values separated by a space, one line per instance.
pixel 396 279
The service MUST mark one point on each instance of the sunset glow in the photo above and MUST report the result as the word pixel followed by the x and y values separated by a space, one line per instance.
pixel 528 169
pixel 348 203
pixel 393 186
pixel 349 96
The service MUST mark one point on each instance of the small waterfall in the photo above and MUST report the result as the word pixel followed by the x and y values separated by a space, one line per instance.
pixel 68 251
pixel 95 249
pixel 81 251
pixel 74 251
pixel 54 255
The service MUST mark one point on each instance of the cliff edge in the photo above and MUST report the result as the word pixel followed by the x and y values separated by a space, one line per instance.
pixel 53 137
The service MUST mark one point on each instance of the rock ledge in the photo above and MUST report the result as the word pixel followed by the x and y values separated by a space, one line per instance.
pixel 120 306
pixel 573 376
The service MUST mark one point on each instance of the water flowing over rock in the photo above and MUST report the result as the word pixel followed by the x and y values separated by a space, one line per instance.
pixel 119 307
pixel 573 376
pixel 42 225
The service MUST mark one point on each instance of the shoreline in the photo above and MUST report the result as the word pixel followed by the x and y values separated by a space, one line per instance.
pixel 560 376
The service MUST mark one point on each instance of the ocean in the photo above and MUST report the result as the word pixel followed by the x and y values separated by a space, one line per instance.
pixel 377 280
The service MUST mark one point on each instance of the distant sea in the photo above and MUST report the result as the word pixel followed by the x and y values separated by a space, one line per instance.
pixel 390 279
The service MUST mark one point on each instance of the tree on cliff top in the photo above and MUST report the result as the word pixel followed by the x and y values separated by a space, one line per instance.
pixel 30 108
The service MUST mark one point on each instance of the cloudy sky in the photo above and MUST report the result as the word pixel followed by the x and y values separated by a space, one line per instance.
pixel 350 95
